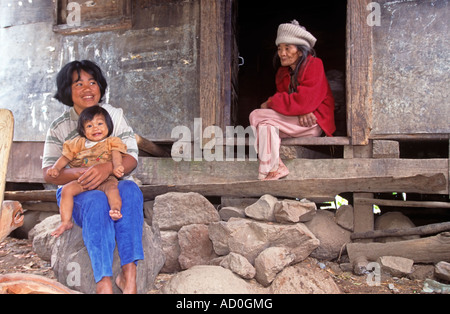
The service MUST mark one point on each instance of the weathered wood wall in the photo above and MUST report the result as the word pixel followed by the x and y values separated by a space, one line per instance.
pixel 152 67
pixel 411 69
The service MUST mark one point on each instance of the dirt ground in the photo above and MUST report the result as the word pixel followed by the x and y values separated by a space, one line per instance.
pixel 17 256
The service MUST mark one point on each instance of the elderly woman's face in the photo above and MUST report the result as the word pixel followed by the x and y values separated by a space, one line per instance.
pixel 85 91
pixel 289 55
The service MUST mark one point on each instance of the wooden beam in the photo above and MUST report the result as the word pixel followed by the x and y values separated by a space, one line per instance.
pixel 424 250
pixel 159 171
pixel 359 72
pixel 6 137
pixel 211 42
pixel 316 141
pixel 150 147
pixel 397 203
pixel 422 231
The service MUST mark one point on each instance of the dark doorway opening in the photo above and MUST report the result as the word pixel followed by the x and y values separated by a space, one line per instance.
pixel 257 24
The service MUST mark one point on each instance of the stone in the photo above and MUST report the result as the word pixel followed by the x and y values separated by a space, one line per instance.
pixel 263 209
pixel 394 220
pixel 304 278
pixel 72 266
pixel 442 271
pixel 195 246
pixel 395 265
pixel 332 237
pixel 270 262
pixel 227 212
pixel 219 233
pixel 290 211
pixel 239 265
pixel 205 279
pixel 171 249
pixel 41 237
pixel 173 210
pixel 249 238
pixel 344 217
pixel 421 272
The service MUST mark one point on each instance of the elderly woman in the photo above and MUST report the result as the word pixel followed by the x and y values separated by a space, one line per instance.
pixel 82 85
pixel 303 104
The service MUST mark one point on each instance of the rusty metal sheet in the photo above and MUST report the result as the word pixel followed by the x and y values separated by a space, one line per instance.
pixel 151 69
pixel 411 68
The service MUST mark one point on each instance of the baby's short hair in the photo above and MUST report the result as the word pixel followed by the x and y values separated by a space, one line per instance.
pixel 88 114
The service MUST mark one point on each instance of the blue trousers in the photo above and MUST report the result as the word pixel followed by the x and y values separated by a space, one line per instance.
pixel 101 233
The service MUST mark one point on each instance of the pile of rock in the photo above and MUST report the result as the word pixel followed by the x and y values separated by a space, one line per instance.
pixel 71 263
pixel 256 242
pixel 263 245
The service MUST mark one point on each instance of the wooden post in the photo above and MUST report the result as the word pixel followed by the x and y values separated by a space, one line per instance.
pixel 359 72
pixel 6 137
pixel 211 46
pixel 363 220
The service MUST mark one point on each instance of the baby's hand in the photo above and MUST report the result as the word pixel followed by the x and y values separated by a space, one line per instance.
pixel 53 172
pixel 118 171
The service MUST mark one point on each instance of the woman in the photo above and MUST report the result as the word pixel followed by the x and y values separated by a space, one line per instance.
pixel 302 106
pixel 81 85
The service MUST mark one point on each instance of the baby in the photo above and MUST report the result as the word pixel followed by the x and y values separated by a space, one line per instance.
pixel 93 145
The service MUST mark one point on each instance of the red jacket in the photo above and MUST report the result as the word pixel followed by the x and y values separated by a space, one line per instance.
pixel 313 95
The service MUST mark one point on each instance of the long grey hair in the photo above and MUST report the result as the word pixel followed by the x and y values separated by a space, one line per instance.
pixel 306 51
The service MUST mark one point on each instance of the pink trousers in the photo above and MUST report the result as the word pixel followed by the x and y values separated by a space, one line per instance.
pixel 271 127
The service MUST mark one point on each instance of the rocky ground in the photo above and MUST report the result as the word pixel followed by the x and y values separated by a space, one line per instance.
pixel 17 256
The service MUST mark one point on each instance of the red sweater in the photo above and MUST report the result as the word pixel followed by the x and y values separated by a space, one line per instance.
pixel 313 95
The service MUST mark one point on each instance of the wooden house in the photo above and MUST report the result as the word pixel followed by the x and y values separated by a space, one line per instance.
pixel 169 62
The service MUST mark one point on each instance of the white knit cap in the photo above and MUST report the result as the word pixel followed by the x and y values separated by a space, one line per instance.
pixel 294 34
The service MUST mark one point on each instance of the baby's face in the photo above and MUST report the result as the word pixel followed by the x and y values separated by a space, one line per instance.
pixel 96 129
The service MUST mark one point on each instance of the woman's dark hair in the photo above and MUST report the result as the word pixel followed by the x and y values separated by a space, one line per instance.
pixel 64 79
pixel 88 114
pixel 306 52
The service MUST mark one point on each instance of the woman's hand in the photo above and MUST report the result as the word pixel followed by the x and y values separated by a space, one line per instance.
pixel 95 175
pixel 265 105
pixel 307 120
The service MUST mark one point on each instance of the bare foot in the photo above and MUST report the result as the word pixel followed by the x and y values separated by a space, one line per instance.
pixel 126 280
pixel 281 172
pixel 104 286
pixel 115 214
pixel 62 227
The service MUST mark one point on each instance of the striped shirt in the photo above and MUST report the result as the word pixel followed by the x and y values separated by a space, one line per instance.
pixel 65 128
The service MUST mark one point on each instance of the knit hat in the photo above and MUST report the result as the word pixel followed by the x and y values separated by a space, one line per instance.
pixel 294 34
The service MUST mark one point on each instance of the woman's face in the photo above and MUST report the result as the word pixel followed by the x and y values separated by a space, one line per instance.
pixel 289 55
pixel 85 91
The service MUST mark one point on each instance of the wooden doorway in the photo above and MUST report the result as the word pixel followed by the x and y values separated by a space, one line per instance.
pixel 256 29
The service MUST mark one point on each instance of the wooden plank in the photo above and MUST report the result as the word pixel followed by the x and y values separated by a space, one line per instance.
pixel 363 218
pixel 303 188
pixel 31 196
pixel 359 72
pixel 167 171
pixel 307 188
pixel 424 250
pixel 316 141
pixel 385 149
pixel 422 231
pixel 397 203
pixel 6 136
pixel 209 70
pixel 25 162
